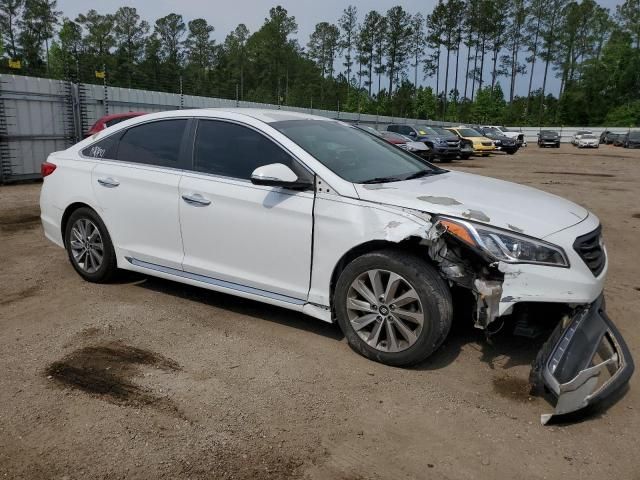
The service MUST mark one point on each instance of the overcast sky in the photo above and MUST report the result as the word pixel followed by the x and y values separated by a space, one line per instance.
pixel 225 15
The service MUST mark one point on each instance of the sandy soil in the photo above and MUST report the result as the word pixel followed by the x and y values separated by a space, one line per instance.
pixel 171 381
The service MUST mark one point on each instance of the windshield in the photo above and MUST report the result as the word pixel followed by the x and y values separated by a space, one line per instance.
pixel 634 135
pixel 548 132
pixel 353 154
pixel 469 132
pixel 444 132
pixel 424 130
pixel 589 137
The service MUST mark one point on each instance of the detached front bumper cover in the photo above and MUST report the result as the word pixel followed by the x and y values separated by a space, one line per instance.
pixel 584 361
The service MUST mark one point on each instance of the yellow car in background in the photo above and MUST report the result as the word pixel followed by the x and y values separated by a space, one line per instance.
pixel 481 144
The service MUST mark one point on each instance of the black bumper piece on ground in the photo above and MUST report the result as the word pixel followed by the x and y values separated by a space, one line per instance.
pixel 584 361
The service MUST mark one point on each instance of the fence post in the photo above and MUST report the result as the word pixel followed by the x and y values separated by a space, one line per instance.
pixel 181 94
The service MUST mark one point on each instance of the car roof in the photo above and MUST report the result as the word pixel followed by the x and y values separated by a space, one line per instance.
pixel 264 115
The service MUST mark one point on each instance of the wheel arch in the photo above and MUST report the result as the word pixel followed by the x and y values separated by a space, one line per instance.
pixel 67 214
pixel 409 244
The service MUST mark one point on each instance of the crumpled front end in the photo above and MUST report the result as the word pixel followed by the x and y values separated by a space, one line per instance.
pixel 584 361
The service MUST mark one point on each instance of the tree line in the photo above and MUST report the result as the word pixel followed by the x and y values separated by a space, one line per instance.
pixel 485 60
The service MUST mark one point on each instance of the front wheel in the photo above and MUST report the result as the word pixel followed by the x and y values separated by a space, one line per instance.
pixel 393 307
pixel 89 246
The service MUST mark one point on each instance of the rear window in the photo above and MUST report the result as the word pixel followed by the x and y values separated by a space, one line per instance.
pixel 106 148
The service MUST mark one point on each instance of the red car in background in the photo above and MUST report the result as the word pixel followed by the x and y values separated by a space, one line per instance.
pixel 110 120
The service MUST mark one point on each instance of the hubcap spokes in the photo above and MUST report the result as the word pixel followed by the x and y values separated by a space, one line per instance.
pixel 385 310
pixel 86 245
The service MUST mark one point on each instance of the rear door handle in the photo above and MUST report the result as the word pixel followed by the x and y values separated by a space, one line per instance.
pixel 108 182
pixel 196 200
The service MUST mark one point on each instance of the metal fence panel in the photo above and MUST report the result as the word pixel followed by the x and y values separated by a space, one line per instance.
pixel 36 122
pixel 39 116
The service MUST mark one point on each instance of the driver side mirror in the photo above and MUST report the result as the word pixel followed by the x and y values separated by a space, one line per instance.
pixel 412 133
pixel 279 175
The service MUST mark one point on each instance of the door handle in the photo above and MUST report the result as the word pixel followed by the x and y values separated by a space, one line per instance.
pixel 196 200
pixel 108 182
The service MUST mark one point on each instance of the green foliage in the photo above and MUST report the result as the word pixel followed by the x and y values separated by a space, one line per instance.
pixel 624 116
pixel 469 50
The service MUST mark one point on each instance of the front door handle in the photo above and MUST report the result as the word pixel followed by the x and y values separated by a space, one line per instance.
pixel 108 182
pixel 196 200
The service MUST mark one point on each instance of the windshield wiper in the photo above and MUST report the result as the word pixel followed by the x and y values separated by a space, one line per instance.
pixel 421 173
pixel 383 180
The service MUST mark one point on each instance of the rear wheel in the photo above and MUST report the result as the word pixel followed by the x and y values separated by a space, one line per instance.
pixel 393 307
pixel 89 246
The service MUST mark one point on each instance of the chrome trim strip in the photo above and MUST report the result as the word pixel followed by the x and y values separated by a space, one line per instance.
pixel 216 282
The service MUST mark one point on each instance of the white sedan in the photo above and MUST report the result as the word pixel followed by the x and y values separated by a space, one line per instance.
pixel 317 216
pixel 579 134
pixel 588 140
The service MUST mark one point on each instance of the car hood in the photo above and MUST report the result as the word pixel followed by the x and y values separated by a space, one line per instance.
pixel 481 199
pixel 478 139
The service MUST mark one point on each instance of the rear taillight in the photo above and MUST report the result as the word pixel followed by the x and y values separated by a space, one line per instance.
pixel 47 169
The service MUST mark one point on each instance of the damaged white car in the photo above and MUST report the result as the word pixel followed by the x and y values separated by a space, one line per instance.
pixel 320 217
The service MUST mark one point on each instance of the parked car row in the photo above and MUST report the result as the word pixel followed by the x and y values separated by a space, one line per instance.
pixel 621 139
pixel 587 139
pixel 445 144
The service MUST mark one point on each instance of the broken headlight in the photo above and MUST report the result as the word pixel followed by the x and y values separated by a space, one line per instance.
pixel 504 245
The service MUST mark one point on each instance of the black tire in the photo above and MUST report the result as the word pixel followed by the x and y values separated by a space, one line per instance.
pixel 510 152
pixel 108 267
pixel 445 159
pixel 465 156
pixel 432 290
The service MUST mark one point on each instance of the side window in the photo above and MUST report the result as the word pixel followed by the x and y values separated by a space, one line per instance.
pixel 230 150
pixel 104 148
pixel 154 143
pixel 392 128
pixel 406 130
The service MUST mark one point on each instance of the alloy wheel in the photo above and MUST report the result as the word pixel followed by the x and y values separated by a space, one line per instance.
pixel 86 245
pixel 385 310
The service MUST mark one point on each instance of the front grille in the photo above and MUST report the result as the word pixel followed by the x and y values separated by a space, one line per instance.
pixel 487 144
pixel 453 143
pixel 590 249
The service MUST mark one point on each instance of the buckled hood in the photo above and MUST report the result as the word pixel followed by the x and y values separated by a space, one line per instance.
pixel 480 199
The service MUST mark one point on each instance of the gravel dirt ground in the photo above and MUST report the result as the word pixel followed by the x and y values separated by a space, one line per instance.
pixel 145 378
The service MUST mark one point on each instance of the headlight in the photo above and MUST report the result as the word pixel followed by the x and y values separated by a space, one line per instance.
pixel 504 245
